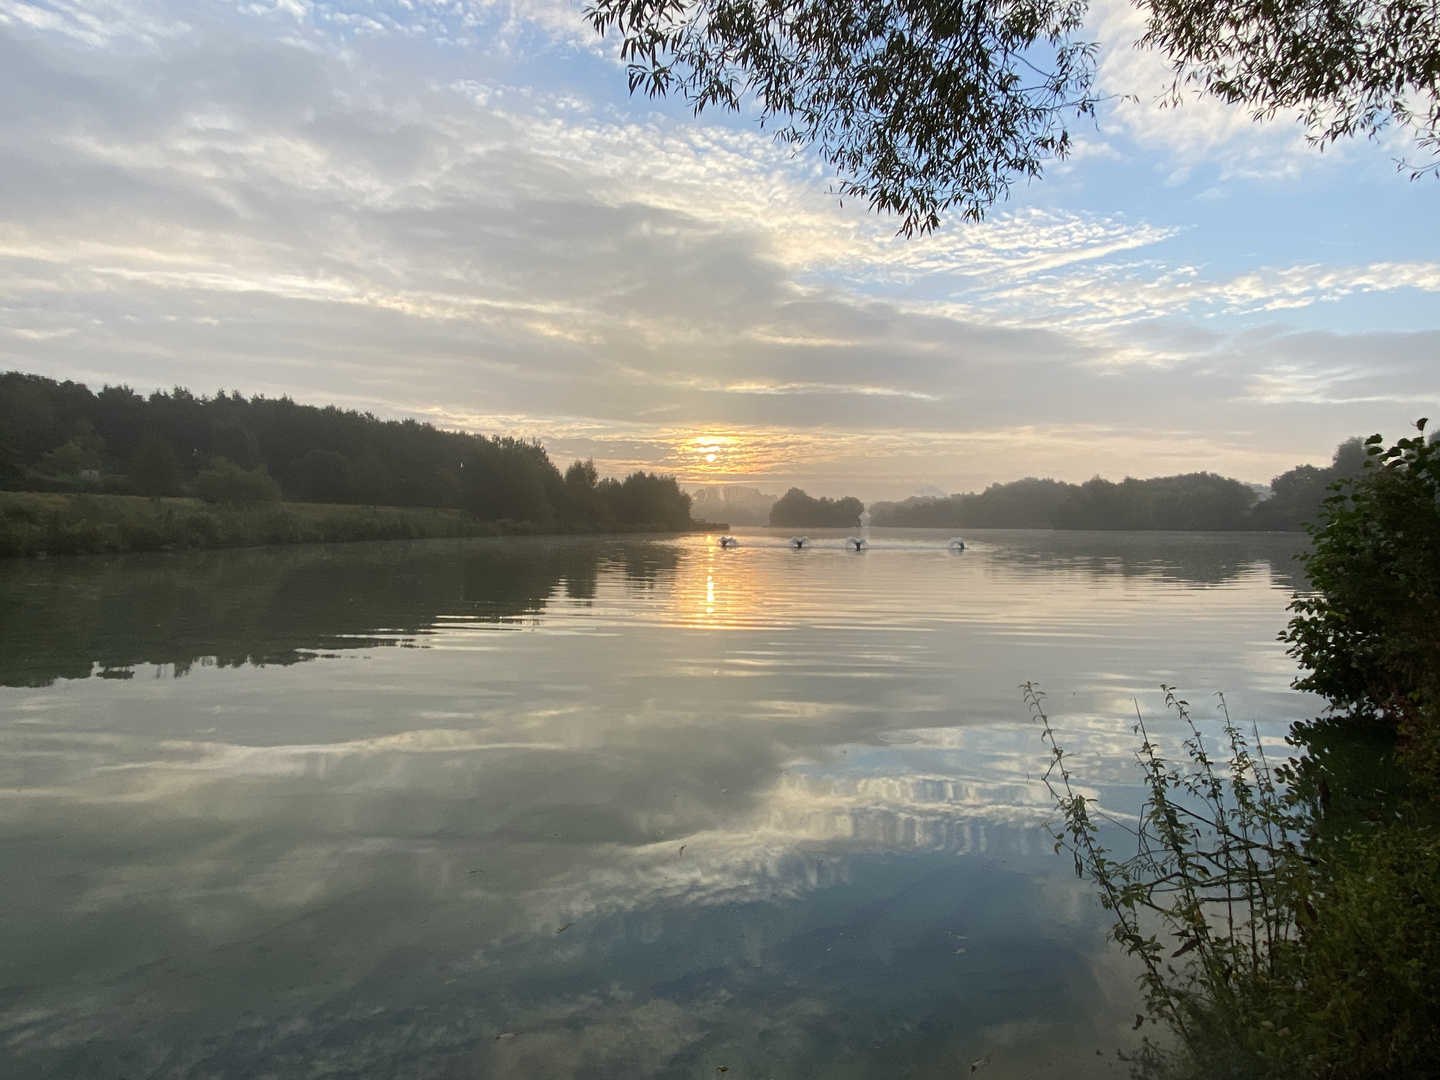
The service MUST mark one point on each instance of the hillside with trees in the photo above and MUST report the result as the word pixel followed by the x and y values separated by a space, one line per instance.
pixel 238 451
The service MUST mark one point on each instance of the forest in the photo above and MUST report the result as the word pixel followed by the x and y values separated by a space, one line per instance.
pixel 232 450
pixel 1199 501
pixel 236 451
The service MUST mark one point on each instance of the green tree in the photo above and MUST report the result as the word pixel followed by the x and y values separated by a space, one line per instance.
pixel 1191 501
pixel 75 455
pixel 233 441
pixel 797 510
pixel 925 105
pixel 583 501
pixel 1368 631
pixel 920 106
pixel 225 483
pixel 9 459
pixel 648 499
pixel 505 480
pixel 1346 67
pixel 1285 920
pixel 1298 496
pixel 154 470
pixel 369 479
pixel 320 476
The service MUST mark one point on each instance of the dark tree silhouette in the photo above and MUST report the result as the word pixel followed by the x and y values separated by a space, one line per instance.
pixel 925 105
pixel 170 443
pixel 797 510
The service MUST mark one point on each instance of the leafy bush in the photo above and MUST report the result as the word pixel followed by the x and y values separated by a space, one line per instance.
pixel 226 484
pixel 1304 902
pixel 1368 631
pixel 1270 949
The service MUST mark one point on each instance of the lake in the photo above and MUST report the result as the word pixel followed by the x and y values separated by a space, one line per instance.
pixel 591 807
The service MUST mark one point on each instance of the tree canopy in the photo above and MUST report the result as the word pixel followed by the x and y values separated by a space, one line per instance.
pixel 797 510
pixel 922 106
pixel 1368 630
pixel 233 450
pixel 1203 501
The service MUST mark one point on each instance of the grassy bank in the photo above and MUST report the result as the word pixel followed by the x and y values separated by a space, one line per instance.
pixel 36 523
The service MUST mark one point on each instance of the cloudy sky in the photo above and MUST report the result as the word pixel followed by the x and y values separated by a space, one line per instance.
pixel 454 210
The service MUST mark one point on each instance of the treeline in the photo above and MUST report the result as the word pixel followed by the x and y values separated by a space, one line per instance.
pixel 1192 501
pixel 233 450
pixel 797 510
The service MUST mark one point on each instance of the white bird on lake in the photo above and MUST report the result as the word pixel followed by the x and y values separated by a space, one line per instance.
pixel 957 544
pixel 729 542
pixel 798 542
pixel 857 542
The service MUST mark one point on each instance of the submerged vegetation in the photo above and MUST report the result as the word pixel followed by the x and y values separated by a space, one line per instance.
pixel 243 463
pixel 1286 918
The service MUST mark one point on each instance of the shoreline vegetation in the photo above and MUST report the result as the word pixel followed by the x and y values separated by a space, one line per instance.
pixel 119 471
pixel 84 473
pixel 1284 914
pixel 1190 502
pixel 40 524
pixel 1204 502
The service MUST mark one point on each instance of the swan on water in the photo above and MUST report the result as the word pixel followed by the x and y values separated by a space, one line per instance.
pixel 957 544
pixel 856 542
pixel 798 542
pixel 729 542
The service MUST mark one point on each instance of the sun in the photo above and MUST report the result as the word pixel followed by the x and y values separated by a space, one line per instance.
pixel 716 457
pixel 708 453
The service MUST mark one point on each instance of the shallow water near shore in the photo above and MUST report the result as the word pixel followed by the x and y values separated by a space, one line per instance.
pixel 600 807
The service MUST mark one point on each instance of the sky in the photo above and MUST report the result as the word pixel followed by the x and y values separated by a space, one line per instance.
pixel 455 211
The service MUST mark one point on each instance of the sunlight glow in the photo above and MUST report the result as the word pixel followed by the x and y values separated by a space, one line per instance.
pixel 710 456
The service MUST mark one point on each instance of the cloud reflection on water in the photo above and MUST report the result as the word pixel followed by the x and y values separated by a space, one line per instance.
pixel 264 866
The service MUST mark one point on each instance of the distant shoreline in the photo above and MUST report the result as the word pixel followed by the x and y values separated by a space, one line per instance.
pixel 966 530
pixel 43 524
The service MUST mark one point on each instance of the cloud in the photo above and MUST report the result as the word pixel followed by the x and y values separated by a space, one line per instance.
pixel 228 209
pixel 1110 295
pixel 1202 133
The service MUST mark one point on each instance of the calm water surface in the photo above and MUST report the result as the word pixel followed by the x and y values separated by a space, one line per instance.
pixel 590 807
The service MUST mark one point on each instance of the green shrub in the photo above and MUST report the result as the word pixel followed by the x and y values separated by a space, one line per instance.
pixel 1271 948
pixel 226 484
pixel 1303 903
pixel 1368 631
